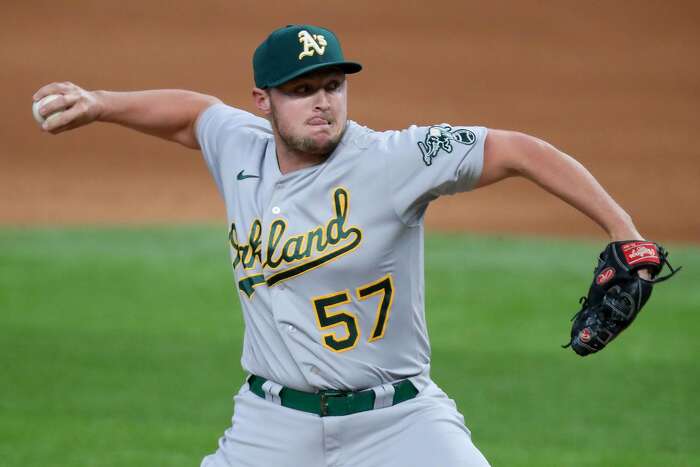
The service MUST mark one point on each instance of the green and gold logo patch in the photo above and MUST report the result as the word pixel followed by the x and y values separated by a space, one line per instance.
pixel 440 138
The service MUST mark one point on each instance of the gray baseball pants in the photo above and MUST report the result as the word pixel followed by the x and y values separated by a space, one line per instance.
pixel 426 431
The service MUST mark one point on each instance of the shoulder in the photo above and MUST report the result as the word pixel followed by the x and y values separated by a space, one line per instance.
pixel 225 132
pixel 403 140
pixel 424 142
pixel 362 137
pixel 223 119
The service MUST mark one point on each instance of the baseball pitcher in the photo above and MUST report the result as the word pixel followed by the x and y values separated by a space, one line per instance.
pixel 325 233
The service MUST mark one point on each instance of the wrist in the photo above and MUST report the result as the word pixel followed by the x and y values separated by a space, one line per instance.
pixel 624 229
pixel 625 234
pixel 101 99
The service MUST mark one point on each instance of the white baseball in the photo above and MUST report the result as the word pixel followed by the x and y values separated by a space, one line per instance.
pixel 40 103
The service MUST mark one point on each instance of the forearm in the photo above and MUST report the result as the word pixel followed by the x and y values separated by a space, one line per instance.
pixel 567 179
pixel 170 114
pixel 510 153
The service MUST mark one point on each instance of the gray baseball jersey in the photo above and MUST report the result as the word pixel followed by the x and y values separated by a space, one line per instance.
pixel 328 260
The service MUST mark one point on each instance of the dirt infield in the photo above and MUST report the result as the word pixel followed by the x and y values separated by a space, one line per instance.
pixel 616 87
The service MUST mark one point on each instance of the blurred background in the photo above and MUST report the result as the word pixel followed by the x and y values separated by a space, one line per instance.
pixel 614 84
pixel 120 328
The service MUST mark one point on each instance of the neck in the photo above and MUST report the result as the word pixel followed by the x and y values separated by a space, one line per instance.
pixel 290 159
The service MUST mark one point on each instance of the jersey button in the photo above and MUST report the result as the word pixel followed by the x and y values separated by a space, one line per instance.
pixel 276 210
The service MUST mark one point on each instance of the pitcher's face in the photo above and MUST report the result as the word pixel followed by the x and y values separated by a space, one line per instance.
pixel 309 113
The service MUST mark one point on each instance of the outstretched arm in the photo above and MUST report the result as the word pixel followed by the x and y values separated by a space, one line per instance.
pixel 169 114
pixel 509 153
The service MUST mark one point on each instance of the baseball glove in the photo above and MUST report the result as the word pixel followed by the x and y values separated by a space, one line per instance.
pixel 617 293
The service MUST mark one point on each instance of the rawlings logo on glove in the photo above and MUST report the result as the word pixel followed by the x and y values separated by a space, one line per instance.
pixel 636 252
pixel 617 293
pixel 605 276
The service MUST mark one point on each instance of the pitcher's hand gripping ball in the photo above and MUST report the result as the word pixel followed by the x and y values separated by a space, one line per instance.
pixel 37 105
pixel 617 293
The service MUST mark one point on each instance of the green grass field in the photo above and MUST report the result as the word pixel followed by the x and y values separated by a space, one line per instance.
pixel 120 347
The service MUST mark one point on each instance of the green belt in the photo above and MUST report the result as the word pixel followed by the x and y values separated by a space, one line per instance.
pixel 332 403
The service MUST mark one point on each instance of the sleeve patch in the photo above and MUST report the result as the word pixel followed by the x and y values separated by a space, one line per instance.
pixel 441 137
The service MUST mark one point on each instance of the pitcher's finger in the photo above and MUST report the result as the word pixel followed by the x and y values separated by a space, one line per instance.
pixel 53 88
pixel 58 123
pixel 62 102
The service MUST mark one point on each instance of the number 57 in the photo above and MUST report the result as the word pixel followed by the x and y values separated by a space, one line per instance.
pixel 326 319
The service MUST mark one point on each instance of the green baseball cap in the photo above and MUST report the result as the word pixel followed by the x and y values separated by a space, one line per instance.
pixel 294 50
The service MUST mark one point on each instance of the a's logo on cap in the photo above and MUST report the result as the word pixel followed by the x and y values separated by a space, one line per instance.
pixel 312 44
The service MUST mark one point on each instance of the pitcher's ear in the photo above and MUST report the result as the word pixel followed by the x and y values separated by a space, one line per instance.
pixel 261 98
